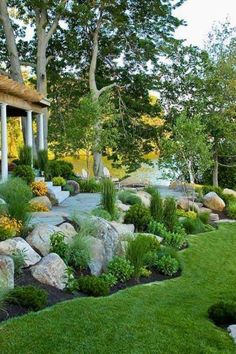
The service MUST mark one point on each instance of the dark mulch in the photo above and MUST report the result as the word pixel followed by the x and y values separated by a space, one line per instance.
pixel 55 295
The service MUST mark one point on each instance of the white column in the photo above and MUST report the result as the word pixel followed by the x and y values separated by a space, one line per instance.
pixel 29 130
pixel 4 156
pixel 41 133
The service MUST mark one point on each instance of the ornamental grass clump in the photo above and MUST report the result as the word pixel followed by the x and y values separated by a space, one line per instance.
pixel 129 197
pixel 43 160
pixel 108 197
pixel 156 206
pixel 25 156
pixel 170 213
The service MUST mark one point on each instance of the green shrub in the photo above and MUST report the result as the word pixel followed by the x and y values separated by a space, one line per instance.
pixel 108 196
pixel 58 245
pixel 228 198
pixel 231 210
pixel 59 181
pixel 43 160
pixel 109 278
pixel 223 313
pixel 17 195
pixel 138 215
pixel 29 297
pixel 207 189
pixel 78 254
pixel 204 217
pixel 101 213
pixel 167 265
pixel 137 250
pixel 128 197
pixel 156 207
pixel 121 268
pixel 60 168
pixel 174 240
pixel 157 228
pixel 25 172
pixel 169 213
pixel 89 185
pixel 19 258
pixel 151 190
pixel 194 226
pixel 25 156
pixel 94 286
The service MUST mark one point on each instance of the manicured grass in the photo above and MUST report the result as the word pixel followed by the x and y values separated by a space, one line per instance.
pixel 166 318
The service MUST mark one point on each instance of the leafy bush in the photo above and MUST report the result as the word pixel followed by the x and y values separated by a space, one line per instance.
pixel 156 207
pixel 101 213
pixel 29 297
pixel 204 217
pixel 167 265
pixel 169 213
pixel 223 313
pixel 43 160
pixel 59 181
pixel 78 254
pixel 128 197
pixel 9 227
pixel 25 156
pixel 60 168
pixel 17 195
pixel 39 188
pixel 58 245
pixel 151 190
pixel 108 197
pixel 186 214
pixel 25 172
pixel 138 215
pixel 19 260
pixel 228 198
pixel 157 228
pixel 231 210
pixel 194 226
pixel 109 278
pixel 121 268
pixel 94 286
pixel 207 189
pixel 174 240
pixel 137 250
pixel 89 185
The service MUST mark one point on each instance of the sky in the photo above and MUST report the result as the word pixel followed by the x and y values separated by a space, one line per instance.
pixel 200 16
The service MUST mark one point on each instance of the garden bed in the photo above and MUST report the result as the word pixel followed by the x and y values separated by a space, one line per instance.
pixel 55 295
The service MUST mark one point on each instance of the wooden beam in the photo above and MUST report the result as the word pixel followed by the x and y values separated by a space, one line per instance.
pixel 20 103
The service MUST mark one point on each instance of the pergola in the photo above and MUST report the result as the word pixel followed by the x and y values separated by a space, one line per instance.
pixel 18 100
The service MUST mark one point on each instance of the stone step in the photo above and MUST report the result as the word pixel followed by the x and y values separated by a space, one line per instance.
pixel 49 184
pixel 61 196
pixel 39 179
pixel 55 189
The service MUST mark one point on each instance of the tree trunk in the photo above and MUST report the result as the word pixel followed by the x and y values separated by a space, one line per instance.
pixel 215 170
pixel 190 171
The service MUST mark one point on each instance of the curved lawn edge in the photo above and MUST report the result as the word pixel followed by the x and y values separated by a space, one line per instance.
pixel 166 317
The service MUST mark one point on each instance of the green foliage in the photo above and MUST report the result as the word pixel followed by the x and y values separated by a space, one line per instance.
pixel 17 195
pixel 195 226
pixel 29 297
pixel 109 278
pixel 156 207
pixel 93 286
pixel 59 168
pixel 58 245
pixel 175 239
pixel 157 228
pixel 121 268
pixel 137 250
pixel 78 254
pixel 25 172
pixel 231 210
pixel 102 213
pixel 167 265
pixel 223 313
pixel 89 185
pixel 138 215
pixel 43 160
pixel 207 189
pixel 68 188
pixel 204 217
pixel 169 213
pixel 128 197
pixel 25 156
pixel 59 181
pixel 19 258
pixel 151 190
pixel 228 198
pixel 108 197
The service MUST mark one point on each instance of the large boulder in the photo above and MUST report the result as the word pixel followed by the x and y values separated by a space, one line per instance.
pixel 186 204
pixel 68 230
pixel 122 206
pixel 74 185
pixel 39 238
pixel 18 244
pixel 228 191
pixel 52 196
pixel 51 270
pixel 122 229
pixel 145 198
pixel 98 256
pixel 6 272
pixel 44 201
pixel 213 201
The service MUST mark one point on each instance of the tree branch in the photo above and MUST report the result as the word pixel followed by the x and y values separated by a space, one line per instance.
pixel 54 25
pixel 49 58
pixel 106 88
pixel 26 63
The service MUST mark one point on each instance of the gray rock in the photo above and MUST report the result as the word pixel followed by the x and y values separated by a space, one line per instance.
pixel 122 206
pixel 51 270
pixel 6 272
pixel 159 239
pixel 145 197
pixel 98 256
pixel 68 230
pixel 52 196
pixel 214 217
pixel 186 204
pixel 232 331
pixel 16 244
pixel 75 186
pixel 39 238
pixel 228 191
pixel 213 201
pixel 123 229
pixel 2 202
pixel 44 200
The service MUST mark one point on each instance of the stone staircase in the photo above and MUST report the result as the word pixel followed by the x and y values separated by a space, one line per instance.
pixel 58 194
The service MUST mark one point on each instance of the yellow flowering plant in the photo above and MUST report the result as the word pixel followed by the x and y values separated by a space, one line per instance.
pixel 187 214
pixel 37 207
pixel 39 188
pixel 9 227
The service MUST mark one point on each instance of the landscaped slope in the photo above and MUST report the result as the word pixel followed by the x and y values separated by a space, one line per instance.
pixel 167 317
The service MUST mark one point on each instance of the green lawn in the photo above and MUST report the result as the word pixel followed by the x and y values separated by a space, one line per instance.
pixel 168 317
